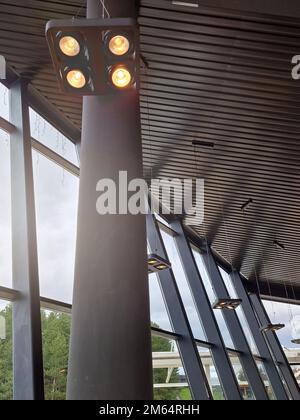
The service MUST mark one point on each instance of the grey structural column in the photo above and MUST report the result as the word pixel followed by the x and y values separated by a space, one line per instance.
pixel 187 347
pixel 236 331
pixel 261 344
pixel 276 348
pixel 110 354
pixel 27 336
pixel 211 328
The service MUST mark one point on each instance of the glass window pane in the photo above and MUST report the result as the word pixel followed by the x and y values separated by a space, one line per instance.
pixel 170 382
pixel 211 374
pixel 240 312
pixel 5 212
pixel 241 376
pixel 6 364
pixel 296 371
pixel 183 286
pixel 4 102
pixel 266 380
pixel 212 297
pixel 283 313
pixel 46 134
pixel 162 220
pixel 56 329
pixel 56 196
pixel 158 311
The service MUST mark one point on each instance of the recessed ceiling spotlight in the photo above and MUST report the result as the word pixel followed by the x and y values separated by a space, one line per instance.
pixel 183 3
pixel 76 79
pixel 119 45
pixel 69 46
pixel 121 77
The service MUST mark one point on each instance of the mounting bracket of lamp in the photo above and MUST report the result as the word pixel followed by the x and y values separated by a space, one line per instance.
pixel 157 264
pixel 272 328
pixel 227 304
pixel 94 56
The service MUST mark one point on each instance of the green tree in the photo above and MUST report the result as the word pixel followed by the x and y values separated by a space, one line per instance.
pixel 6 375
pixel 56 336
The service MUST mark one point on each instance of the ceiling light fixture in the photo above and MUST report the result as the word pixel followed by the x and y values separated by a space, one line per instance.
pixel 297 341
pixel 119 45
pixel 182 3
pixel 69 46
pixel 227 304
pixel 157 264
pixel 272 328
pixel 121 77
pixel 76 79
pixel 95 56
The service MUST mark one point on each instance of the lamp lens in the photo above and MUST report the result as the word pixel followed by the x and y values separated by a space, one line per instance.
pixel 121 77
pixel 69 46
pixel 76 79
pixel 119 45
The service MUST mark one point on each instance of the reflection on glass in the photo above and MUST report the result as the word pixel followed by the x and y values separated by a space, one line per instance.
pixel 56 329
pixel 296 371
pixel 6 363
pixel 284 313
pixel 183 286
pixel 56 197
pixel 211 374
pixel 241 376
pixel 5 212
pixel 46 134
pixel 158 311
pixel 4 102
pixel 266 381
pixel 213 297
pixel 170 382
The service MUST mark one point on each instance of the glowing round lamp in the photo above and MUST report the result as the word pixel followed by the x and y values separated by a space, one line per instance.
pixel 76 79
pixel 69 46
pixel 119 45
pixel 121 77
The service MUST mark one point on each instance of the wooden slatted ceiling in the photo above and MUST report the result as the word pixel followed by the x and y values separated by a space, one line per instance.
pixel 212 75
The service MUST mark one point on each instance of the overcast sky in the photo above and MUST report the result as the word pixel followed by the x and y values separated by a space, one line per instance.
pixel 56 194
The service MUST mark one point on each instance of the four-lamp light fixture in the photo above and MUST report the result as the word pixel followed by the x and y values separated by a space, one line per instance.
pixel 94 56
pixel 157 264
pixel 272 328
pixel 227 304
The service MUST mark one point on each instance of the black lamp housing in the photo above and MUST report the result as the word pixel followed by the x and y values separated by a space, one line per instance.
pixel 95 60
pixel 227 304
pixel 272 328
pixel 157 264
